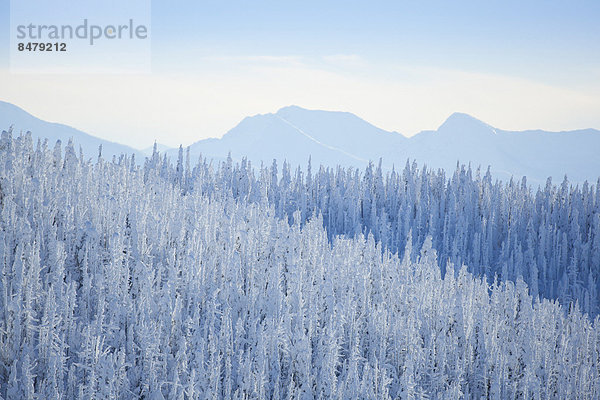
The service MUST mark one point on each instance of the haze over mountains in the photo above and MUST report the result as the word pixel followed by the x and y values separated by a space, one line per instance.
pixel 22 121
pixel 331 138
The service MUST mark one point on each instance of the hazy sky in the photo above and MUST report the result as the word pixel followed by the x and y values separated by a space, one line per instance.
pixel 401 65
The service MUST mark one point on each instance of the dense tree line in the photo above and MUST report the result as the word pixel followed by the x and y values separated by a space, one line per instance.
pixel 548 236
pixel 121 281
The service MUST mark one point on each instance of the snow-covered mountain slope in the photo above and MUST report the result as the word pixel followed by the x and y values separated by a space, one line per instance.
pixel 22 121
pixel 294 134
pixel 332 138
pixel 160 282
pixel 534 154
pixel 340 138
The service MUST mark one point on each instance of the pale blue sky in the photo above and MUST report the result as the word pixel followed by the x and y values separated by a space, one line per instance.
pixel 402 65
pixel 520 37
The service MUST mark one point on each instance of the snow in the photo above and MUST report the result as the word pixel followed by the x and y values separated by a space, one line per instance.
pixel 333 138
pixel 340 138
pixel 160 147
pixel 22 121
pixel 221 281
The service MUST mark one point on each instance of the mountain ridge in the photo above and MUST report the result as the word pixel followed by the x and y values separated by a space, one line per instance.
pixel 22 122
pixel 331 138
pixel 338 137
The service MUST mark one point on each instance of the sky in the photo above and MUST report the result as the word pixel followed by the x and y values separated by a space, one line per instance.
pixel 404 66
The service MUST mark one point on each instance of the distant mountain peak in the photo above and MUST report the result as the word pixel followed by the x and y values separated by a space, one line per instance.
pixel 297 110
pixel 463 124
pixel 291 108
pixel 463 118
